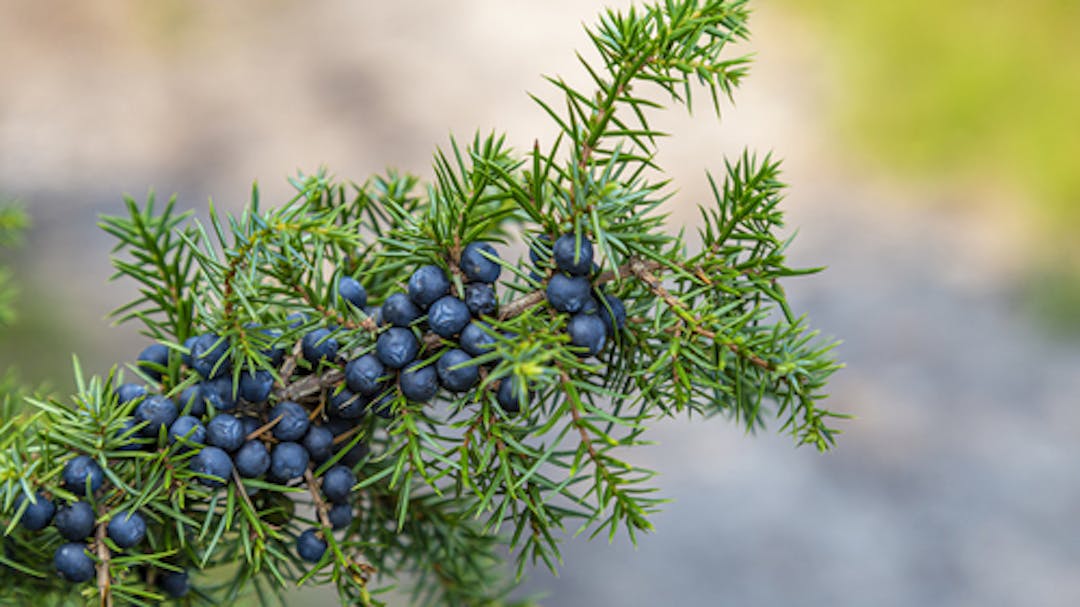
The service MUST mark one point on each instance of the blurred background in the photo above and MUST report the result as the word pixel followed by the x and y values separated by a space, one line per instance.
pixel 932 152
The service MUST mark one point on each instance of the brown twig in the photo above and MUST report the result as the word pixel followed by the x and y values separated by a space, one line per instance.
pixel 316 498
pixel 104 579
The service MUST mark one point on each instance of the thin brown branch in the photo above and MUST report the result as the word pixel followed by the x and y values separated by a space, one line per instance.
pixel 104 579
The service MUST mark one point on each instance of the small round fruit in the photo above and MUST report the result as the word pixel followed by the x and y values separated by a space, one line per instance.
pixel 158 411
pixel 400 311
pixel 453 377
pixel 383 406
pixel 185 354
pixel 192 402
pixel 219 393
pixel 346 404
pixel 396 347
pixel 252 460
pixel 427 284
pixel 129 392
pixel 540 249
pixel 355 453
pixel 476 339
pixel 587 331
pixel 568 293
pixel 129 436
pixel 251 424
pixel 478 262
pixel 208 356
pixel 215 464
pixel 366 375
pixel 154 361
pixel 338 483
pixel 340 515
pixel 319 442
pixel 225 431
pixel 73 563
pixel 448 316
pixel 288 461
pixel 310 546
pixel 318 346
pixel 293 422
pixel 510 395
pixel 75 521
pixel 419 383
pixel 613 314
pixel 174 583
pixel 38 513
pixel 255 387
pixel 352 291
pixel 480 299
pixel 127 529
pixel 189 428
pixel 572 257
pixel 79 471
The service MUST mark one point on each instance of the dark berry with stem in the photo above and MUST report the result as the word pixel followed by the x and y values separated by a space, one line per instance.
pixel 219 393
pixel 338 483
pixel 75 521
pixel 448 316
pixel 208 356
pixel 455 374
pixel 293 422
pixel 73 563
pixel 568 293
pixel 127 529
pixel 613 313
pixel 400 311
pixel 288 461
pixel 310 546
pixel 189 428
pixel 476 338
pixel 480 299
pixel 510 395
pixel 38 514
pixel 419 383
pixel 174 583
pixel 396 347
pixel 479 262
pixel 366 375
pixel 318 346
pixel 353 292
pixel 573 256
pixel 79 471
pixel 154 361
pixel 129 392
pixel 255 387
pixel 587 331
pixel 340 516
pixel 225 431
pixel 427 284
pixel 192 401
pixel 252 460
pixel 215 464
pixel 319 442
pixel 346 404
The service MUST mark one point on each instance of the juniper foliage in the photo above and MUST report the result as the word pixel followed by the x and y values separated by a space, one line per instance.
pixel 444 485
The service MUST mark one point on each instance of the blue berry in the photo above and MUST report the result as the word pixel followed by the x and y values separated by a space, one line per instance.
pixel 255 387
pixel 158 412
pixel 192 401
pixel 338 483
pixel 294 421
pixel 568 293
pixel 220 393
pixel 346 404
pixel 352 291
pixel 510 395
pixel 215 464
pixel 73 563
pixel 340 515
pixel 365 375
pixel 154 361
pixel 613 313
pixel 129 436
pixel 174 583
pixel 355 453
pixel 38 513
pixel 572 258
pixel 448 316
pixel 75 521
pixel 319 345
pixel 127 529
pixel 185 354
pixel 540 249
pixel 400 311
pixel 427 284
pixel 480 299
pixel 475 340
pixel 225 431
pixel 296 320
pixel 375 313
pixel 591 306
pixel 587 331
pixel 78 471
pixel 396 347
pixel 208 356
pixel 310 546
pixel 251 424
pixel 478 262
pixel 129 392
pixel 456 379
pixel 189 428
pixel 275 355
pixel 288 461
pixel 384 405
pixel 252 460
pixel 319 443
pixel 419 383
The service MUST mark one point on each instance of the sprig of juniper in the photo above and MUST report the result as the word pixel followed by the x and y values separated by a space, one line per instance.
pixel 443 485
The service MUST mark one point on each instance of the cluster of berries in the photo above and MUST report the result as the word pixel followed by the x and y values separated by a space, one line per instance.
pixel 233 425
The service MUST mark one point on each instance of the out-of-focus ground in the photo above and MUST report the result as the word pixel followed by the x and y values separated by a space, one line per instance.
pixel 956 483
